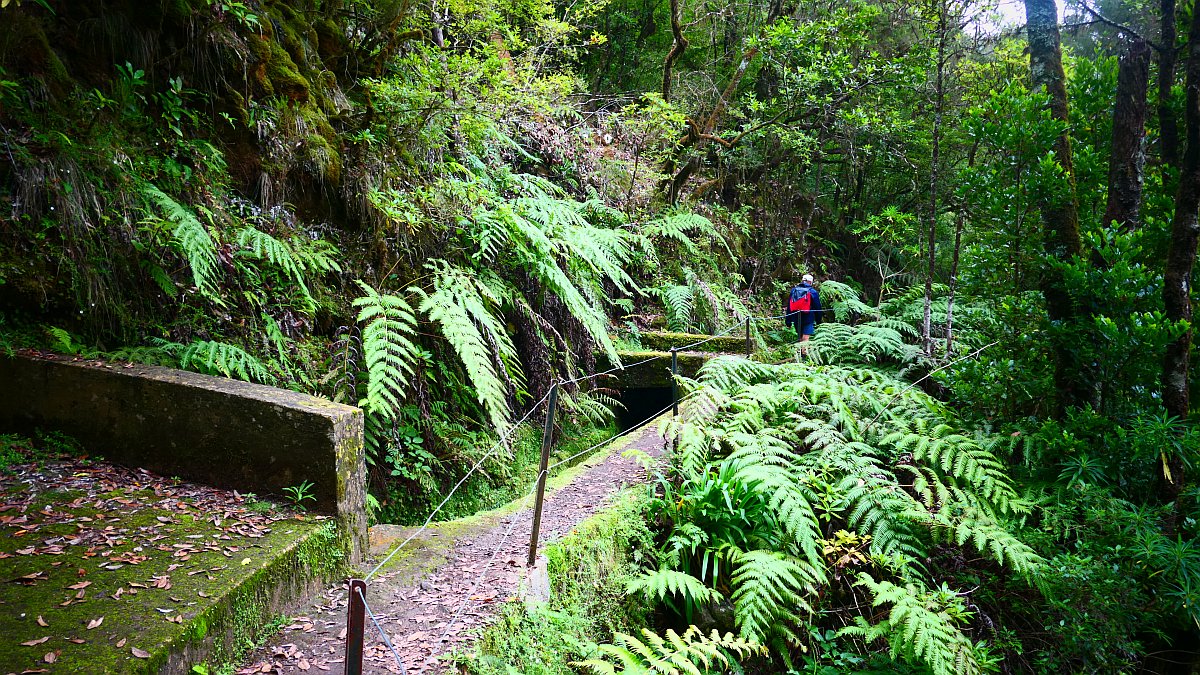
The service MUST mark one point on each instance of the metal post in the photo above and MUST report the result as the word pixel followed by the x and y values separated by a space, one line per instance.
pixel 355 620
pixel 674 384
pixel 749 349
pixel 547 437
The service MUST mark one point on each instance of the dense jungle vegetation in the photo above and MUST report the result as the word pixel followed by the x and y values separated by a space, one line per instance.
pixel 984 463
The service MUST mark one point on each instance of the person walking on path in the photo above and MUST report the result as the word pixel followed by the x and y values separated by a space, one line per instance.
pixel 801 308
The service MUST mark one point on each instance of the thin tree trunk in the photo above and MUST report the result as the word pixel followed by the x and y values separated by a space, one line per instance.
pixel 1168 130
pixel 959 222
pixel 1128 139
pixel 1181 257
pixel 958 228
pixel 939 95
pixel 1060 213
pixel 677 48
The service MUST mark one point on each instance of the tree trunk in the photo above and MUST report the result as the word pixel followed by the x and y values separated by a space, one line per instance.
pixel 1060 213
pixel 1168 131
pixel 1128 139
pixel 1181 257
pixel 677 48
pixel 958 228
pixel 939 96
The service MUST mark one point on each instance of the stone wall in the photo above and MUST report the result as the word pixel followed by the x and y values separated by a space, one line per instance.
pixel 223 432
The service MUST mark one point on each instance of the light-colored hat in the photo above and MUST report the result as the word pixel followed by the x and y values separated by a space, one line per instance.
pixel 807 277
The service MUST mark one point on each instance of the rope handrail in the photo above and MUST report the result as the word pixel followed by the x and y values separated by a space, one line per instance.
pixel 382 633
pixel 504 437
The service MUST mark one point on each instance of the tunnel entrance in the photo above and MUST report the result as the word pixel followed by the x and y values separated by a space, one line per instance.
pixel 642 404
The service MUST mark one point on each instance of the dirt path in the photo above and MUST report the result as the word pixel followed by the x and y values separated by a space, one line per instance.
pixel 435 598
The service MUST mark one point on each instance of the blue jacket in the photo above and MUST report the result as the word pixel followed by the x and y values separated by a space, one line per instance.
pixel 799 318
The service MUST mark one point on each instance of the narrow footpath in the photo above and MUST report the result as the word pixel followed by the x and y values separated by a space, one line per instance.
pixel 450 581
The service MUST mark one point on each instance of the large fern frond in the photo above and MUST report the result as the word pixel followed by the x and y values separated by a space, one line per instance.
pixel 920 627
pixel 220 358
pixel 388 351
pixel 462 306
pixel 193 238
pixel 692 652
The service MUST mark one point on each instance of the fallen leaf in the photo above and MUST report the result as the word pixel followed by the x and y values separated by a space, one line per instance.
pixel 82 584
pixel 77 641
pixel 303 664
pixel 51 657
pixel 121 643
pixel 140 653
pixel 95 623
pixel 34 643
pixel 42 622
pixel 245 561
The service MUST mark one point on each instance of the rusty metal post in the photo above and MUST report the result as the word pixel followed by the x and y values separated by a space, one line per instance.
pixel 749 349
pixel 674 384
pixel 547 437
pixel 355 621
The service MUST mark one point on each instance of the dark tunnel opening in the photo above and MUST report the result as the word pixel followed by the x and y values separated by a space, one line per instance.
pixel 642 404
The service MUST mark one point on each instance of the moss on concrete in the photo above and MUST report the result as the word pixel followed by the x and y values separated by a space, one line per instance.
pixel 221 594
pixel 653 374
pixel 663 341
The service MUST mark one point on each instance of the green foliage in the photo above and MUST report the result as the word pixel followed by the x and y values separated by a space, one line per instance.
pixel 193 238
pixel 298 494
pixel 922 627
pixel 388 352
pixel 771 460
pixel 669 655
pixel 464 307
pixel 213 357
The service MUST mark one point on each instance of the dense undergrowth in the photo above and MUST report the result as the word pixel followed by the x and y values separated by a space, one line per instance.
pixel 436 212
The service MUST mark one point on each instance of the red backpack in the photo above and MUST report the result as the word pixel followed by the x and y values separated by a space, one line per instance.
pixel 801 299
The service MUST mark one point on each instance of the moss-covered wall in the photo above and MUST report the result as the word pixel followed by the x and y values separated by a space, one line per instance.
pixel 214 430
pixel 655 373
pixel 663 341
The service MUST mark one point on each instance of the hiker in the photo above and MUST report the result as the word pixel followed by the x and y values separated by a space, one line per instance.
pixel 801 308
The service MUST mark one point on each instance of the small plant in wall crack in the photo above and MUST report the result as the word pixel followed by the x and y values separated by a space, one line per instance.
pixel 298 494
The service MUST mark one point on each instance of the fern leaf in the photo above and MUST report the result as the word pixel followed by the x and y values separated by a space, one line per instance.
pixel 196 243
pixel 388 351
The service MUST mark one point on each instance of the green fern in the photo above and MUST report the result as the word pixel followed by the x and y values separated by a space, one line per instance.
pixel 219 358
pixel 196 243
pixel 465 307
pixel 680 227
pixel 265 247
pixel 768 593
pixel 388 352
pixel 692 653
pixel 660 584
pixel 922 627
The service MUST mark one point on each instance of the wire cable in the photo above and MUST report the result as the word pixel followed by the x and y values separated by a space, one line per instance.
pixel 515 520
pixel 492 560
pixel 504 437
pixel 612 370
pixel 608 441
pixel 382 634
